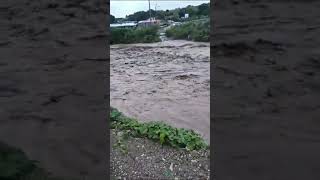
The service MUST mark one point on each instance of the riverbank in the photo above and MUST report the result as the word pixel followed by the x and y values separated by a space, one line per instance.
pixel 156 150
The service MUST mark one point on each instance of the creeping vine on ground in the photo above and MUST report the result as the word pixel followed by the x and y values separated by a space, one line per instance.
pixel 158 131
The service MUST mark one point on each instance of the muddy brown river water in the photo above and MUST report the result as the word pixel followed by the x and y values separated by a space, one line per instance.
pixel 167 81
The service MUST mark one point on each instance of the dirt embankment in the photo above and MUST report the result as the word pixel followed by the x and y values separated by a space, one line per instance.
pixel 167 81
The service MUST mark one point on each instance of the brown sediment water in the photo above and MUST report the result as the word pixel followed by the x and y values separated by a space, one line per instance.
pixel 167 81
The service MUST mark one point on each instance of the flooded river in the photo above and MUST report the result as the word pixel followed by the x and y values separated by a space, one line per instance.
pixel 167 81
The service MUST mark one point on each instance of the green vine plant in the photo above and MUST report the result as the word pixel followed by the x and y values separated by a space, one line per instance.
pixel 158 131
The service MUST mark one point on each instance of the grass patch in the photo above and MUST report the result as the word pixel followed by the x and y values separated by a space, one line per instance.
pixel 195 31
pixel 135 35
pixel 121 142
pixel 158 131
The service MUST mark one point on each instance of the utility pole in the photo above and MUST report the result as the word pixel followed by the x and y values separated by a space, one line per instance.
pixel 155 10
pixel 149 12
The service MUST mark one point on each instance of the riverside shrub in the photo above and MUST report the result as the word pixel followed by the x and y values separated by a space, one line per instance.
pixel 135 35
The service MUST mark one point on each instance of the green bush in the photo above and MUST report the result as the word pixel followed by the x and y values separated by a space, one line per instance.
pixel 136 35
pixel 195 31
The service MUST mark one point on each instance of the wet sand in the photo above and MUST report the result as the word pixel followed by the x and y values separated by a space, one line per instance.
pixel 167 81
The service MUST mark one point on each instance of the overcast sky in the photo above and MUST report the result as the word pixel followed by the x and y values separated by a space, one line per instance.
pixel 121 8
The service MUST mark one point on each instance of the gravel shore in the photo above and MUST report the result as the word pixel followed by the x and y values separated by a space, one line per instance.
pixel 141 158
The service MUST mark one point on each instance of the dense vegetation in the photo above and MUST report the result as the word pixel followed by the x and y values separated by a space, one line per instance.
pixel 195 31
pixel 158 131
pixel 195 12
pixel 134 35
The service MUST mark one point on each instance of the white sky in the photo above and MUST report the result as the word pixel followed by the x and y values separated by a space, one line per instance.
pixel 121 8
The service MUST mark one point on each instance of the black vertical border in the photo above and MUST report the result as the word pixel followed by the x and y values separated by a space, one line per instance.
pixel 212 94
pixel 108 88
pixel 34 37
pixel 276 135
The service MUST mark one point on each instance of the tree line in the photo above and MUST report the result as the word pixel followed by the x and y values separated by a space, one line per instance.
pixel 195 12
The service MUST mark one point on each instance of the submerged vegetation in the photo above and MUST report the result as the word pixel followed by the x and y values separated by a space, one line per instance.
pixel 158 131
pixel 194 30
pixel 134 35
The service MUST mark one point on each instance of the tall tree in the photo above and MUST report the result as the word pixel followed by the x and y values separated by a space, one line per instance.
pixel 204 9
pixel 112 19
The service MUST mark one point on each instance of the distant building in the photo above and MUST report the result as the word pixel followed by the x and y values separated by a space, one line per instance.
pixel 185 16
pixel 149 22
